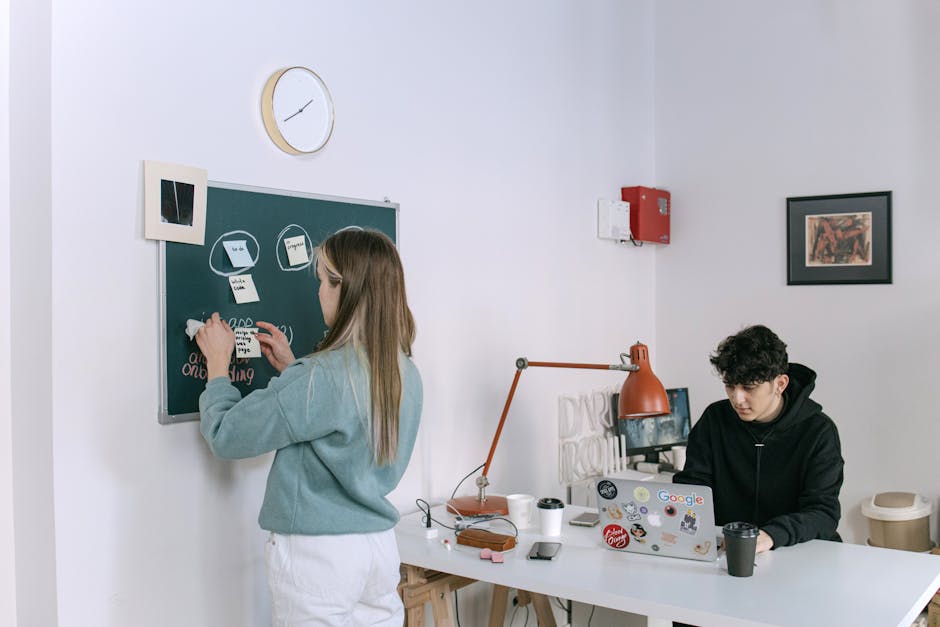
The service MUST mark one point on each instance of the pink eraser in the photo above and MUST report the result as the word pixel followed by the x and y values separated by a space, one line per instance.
pixel 485 554
pixel 497 557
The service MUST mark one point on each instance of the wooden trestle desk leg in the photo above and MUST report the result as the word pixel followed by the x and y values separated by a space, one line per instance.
pixel 540 602
pixel 419 586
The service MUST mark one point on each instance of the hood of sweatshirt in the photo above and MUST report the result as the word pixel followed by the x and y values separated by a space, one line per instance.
pixel 799 406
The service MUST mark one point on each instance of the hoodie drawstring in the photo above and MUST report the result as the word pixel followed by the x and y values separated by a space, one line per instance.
pixel 760 447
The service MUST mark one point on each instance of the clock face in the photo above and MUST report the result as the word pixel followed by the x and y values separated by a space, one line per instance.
pixel 302 110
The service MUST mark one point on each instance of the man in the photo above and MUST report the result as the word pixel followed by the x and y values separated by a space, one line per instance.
pixel 769 453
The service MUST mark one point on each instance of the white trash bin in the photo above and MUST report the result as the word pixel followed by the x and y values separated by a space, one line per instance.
pixel 899 520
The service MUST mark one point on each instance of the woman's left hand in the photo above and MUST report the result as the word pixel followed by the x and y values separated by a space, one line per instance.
pixel 216 340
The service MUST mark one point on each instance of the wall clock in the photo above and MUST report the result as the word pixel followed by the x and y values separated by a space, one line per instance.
pixel 297 110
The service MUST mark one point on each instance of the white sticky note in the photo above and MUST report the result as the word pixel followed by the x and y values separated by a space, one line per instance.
pixel 246 342
pixel 296 250
pixel 238 253
pixel 243 287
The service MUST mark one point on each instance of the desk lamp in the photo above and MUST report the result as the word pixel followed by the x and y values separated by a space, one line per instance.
pixel 641 395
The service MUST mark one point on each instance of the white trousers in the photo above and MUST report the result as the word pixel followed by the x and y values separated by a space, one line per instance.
pixel 345 580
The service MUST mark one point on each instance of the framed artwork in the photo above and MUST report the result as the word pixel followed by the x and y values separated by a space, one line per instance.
pixel 841 239
pixel 174 202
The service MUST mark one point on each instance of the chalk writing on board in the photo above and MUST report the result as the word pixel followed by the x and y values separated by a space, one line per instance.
pixel 292 231
pixel 248 321
pixel 228 236
pixel 239 371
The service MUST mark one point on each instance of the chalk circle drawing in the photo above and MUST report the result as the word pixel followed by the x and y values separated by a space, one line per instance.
pixel 224 236
pixel 279 248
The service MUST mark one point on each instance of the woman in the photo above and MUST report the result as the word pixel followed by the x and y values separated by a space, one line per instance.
pixel 343 421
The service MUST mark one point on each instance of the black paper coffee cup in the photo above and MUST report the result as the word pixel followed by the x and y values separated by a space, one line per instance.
pixel 740 547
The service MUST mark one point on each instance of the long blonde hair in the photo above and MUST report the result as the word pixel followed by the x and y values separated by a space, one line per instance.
pixel 372 313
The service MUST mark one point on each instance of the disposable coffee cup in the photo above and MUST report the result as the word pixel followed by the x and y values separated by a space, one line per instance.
pixel 521 509
pixel 740 547
pixel 678 457
pixel 551 511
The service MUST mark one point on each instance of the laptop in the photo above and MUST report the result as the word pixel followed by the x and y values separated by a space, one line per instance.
pixel 654 518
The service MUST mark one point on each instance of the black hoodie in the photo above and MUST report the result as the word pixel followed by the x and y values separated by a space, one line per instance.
pixel 789 487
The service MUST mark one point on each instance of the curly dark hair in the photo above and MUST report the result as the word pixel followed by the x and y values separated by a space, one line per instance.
pixel 753 355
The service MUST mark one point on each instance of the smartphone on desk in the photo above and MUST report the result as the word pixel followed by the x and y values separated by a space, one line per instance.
pixel 544 550
pixel 587 519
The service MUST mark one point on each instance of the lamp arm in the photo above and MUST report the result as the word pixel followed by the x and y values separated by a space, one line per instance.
pixel 521 364
pixel 502 420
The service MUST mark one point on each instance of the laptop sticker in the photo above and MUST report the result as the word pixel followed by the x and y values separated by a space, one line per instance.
pixel 616 537
pixel 638 532
pixel 607 489
pixel 633 512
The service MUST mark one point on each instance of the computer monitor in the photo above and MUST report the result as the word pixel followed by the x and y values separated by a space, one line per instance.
pixel 653 435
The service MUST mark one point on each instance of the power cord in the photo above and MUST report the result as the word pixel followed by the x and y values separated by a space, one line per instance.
pixel 427 519
pixel 454 493
pixel 472 524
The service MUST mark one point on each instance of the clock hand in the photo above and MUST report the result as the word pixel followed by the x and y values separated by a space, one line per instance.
pixel 299 111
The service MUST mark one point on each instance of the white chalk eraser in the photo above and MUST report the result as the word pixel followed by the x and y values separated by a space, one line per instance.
pixel 192 326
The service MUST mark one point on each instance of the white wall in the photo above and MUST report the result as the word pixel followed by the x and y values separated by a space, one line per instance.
pixel 7 539
pixel 758 101
pixel 30 284
pixel 495 126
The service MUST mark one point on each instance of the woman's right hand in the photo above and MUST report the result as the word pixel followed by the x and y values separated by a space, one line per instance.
pixel 216 340
pixel 274 346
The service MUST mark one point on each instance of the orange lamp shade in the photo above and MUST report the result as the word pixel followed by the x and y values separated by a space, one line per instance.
pixel 642 393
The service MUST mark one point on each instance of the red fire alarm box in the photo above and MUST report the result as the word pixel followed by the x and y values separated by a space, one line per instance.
pixel 649 213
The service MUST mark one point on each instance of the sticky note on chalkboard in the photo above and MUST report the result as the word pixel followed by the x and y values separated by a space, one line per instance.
pixel 246 344
pixel 238 253
pixel 243 287
pixel 296 250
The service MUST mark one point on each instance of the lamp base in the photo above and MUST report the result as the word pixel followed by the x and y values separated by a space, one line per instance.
pixel 472 506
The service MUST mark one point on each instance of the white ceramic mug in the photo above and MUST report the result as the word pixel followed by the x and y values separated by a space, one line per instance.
pixel 551 511
pixel 521 508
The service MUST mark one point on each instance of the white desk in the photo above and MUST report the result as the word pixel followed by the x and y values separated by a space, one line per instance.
pixel 815 583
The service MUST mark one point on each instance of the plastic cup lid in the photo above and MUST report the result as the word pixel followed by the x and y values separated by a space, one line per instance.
pixel 740 530
pixel 550 503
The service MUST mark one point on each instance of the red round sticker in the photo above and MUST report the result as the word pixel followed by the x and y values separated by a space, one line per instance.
pixel 616 536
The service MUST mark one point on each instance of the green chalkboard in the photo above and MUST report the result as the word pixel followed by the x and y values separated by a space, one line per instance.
pixel 195 281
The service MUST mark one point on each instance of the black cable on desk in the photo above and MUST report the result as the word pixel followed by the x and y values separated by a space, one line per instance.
pixel 454 493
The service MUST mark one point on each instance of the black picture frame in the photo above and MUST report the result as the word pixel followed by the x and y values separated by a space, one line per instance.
pixel 839 239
